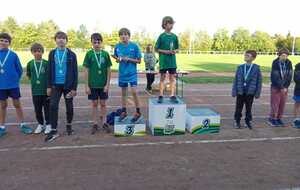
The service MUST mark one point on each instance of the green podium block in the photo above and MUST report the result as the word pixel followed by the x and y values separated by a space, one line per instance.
pixel 166 118
pixel 202 121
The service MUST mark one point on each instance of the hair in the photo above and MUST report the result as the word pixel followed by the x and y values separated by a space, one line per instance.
pixel 167 20
pixel 124 31
pixel 61 34
pixel 37 46
pixel 252 53
pixel 96 37
pixel 4 35
pixel 148 49
pixel 283 51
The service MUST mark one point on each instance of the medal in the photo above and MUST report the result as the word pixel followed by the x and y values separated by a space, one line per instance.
pixel 4 61
pixel 60 61
pixel 246 73
pixel 99 61
pixel 99 72
pixel 38 71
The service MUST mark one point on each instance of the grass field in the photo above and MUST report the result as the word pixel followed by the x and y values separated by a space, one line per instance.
pixel 195 62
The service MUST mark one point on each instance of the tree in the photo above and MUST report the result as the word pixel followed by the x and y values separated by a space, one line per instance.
pixel 222 41
pixel 262 42
pixel 47 32
pixel 202 41
pixel 241 39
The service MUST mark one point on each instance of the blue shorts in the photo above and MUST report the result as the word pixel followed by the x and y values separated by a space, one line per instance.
pixel 296 99
pixel 97 93
pixel 125 84
pixel 13 93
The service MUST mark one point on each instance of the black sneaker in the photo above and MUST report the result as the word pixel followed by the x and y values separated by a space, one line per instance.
pixel 51 136
pixel 69 130
pixel 106 128
pixel 237 125
pixel 94 129
pixel 160 99
pixel 123 116
pixel 174 99
pixel 249 125
pixel 136 117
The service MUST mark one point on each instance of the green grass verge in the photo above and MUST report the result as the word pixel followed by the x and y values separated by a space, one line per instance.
pixel 214 80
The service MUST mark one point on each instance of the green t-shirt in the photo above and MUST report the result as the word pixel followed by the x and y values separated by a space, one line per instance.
pixel 167 41
pixel 38 81
pixel 97 76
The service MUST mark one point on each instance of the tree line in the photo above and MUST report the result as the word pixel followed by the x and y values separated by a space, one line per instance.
pixel 222 40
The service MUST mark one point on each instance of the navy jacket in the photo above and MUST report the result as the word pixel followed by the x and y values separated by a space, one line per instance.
pixel 254 82
pixel 277 81
pixel 297 80
pixel 71 81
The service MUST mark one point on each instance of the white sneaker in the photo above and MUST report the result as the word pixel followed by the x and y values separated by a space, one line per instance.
pixel 40 128
pixel 48 129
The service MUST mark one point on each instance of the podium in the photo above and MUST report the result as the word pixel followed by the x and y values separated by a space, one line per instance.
pixel 202 121
pixel 166 118
pixel 127 128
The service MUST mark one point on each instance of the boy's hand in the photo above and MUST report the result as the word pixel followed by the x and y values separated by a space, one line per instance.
pixel 49 92
pixel 87 90
pixel 173 52
pixel 106 88
pixel 284 90
pixel 73 93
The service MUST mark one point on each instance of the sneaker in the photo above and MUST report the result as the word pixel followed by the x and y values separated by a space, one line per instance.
pixel 281 123
pixel 123 116
pixel 136 117
pixel 249 125
pixel 237 125
pixel 51 136
pixel 106 128
pixel 94 129
pixel 69 130
pixel 273 122
pixel 25 129
pixel 40 128
pixel 2 131
pixel 160 99
pixel 174 99
pixel 47 129
pixel 148 91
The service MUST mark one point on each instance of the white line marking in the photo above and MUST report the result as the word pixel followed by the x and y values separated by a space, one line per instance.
pixel 151 144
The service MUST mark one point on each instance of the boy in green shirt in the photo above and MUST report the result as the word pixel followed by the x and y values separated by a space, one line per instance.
pixel 37 73
pixel 97 75
pixel 167 46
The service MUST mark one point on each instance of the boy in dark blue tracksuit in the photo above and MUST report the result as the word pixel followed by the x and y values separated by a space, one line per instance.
pixel 62 80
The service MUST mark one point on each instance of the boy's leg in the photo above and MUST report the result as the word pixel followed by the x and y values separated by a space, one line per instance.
pixel 161 84
pixel 275 100
pixel 249 102
pixel 296 109
pixel 172 84
pixel 19 111
pixel 46 104
pixel 3 106
pixel 103 111
pixel 239 108
pixel 54 103
pixel 94 111
pixel 137 113
pixel 69 107
pixel 283 98
pixel 38 104
pixel 152 80
pixel 148 77
pixel 124 98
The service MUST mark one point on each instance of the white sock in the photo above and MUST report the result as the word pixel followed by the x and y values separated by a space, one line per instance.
pixel 2 127
pixel 22 124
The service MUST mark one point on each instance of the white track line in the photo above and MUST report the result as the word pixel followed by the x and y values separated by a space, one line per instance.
pixel 116 145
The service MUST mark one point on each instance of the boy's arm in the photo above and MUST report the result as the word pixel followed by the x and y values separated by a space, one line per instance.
pixel 106 88
pixel 289 77
pixel 49 71
pixel 75 74
pixel 234 85
pixel 28 72
pixel 19 68
pixel 258 84
pixel 297 74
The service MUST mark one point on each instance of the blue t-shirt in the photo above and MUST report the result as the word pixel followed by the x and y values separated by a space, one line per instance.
pixel 60 69
pixel 12 70
pixel 127 70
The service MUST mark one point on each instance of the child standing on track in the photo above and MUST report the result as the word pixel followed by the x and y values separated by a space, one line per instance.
pixel 150 62
pixel 37 74
pixel 167 46
pixel 296 97
pixel 281 76
pixel 246 86
pixel 62 80
pixel 97 74
pixel 10 75
pixel 128 55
